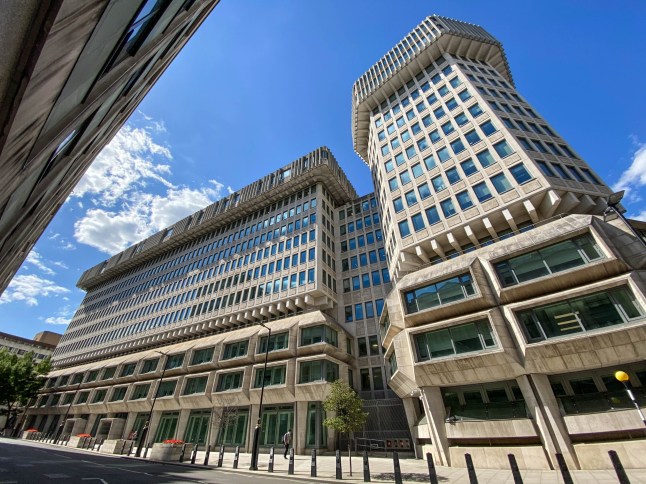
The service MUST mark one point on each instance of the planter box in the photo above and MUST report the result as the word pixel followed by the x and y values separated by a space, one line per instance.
pixel 166 452
pixel 28 435
pixel 77 442
pixel 115 446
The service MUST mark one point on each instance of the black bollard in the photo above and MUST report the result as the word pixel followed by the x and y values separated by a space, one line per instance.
pixel 181 456
pixel 290 468
pixel 100 445
pixel 432 473
pixel 208 454
pixel 514 469
pixel 565 472
pixel 313 465
pixel 221 456
pixel 194 454
pixel 398 470
pixel 146 450
pixel 619 468
pixel 366 467
pixel 236 456
pixel 338 465
pixel 270 467
pixel 132 445
pixel 473 479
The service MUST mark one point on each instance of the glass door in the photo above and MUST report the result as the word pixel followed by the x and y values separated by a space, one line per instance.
pixel 197 427
pixel 167 426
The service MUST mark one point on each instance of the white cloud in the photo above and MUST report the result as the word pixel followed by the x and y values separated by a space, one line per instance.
pixel 61 264
pixel 63 316
pixel 635 176
pixel 36 260
pixel 144 214
pixel 29 288
pixel 638 216
pixel 129 161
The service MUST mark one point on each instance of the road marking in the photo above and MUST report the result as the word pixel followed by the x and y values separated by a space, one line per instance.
pixel 57 476
pixel 94 479
pixel 24 465
pixel 8 482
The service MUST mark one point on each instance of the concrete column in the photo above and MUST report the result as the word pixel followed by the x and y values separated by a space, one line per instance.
pixel 48 420
pixel 300 427
pixel 435 418
pixel 152 428
pixel 130 422
pixel 214 427
pixel 253 419
pixel 545 412
pixel 412 417
pixel 182 423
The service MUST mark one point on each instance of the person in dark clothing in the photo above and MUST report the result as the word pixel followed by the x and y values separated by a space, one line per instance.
pixel 287 440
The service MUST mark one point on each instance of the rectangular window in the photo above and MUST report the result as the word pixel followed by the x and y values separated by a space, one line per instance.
pixel 404 229
pixel 149 365
pixel 464 199
pixel 174 361
pixel 418 222
pixel 448 208
pixel 587 313
pixel 319 334
pixel 500 183
pixel 456 340
pixel 195 385
pixel 275 376
pixel 140 391
pixel 482 192
pixel 432 215
pixel 503 149
pixel 118 394
pixel 548 260
pixel 128 369
pixel 424 191
pixel 229 381
pixel 278 341
pixel 439 293
pixel 485 158
pixel 235 350
pixel 520 173
pixel 318 370
pixel 166 388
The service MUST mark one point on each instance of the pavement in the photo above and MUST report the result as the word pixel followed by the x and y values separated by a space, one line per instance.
pixel 111 469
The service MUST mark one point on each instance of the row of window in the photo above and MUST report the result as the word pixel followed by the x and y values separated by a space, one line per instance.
pixel 363 259
pixel 365 310
pixel 359 223
pixel 364 281
pixel 361 240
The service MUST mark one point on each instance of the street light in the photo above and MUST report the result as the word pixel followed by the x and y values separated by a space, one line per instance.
pixel 612 201
pixel 256 432
pixel 623 377
pixel 144 431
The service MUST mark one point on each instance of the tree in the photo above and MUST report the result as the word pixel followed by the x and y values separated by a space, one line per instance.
pixel 348 412
pixel 20 379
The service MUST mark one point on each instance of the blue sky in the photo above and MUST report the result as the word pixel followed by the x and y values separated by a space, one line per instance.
pixel 264 82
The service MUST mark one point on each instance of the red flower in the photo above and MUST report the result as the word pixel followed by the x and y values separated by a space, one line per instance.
pixel 84 435
pixel 32 430
pixel 172 441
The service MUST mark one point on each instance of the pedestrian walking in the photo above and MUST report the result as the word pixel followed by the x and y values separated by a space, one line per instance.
pixel 287 440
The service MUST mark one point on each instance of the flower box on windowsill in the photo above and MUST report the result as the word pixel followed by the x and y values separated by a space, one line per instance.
pixel 167 451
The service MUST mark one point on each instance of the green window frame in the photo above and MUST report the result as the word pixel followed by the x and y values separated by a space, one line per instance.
pixel 108 373
pixel 127 370
pixel 471 337
pixel 166 388
pixel 235 350
pixel 548 260
pixel 439 293
pixel 590 312
pixel 149 366
pixel 140 391
pixel 82 397
pixel 278 341
pixel 229 381
pixel 174 361
pixel 203 355
pixel 318 370
pixel 118 394
pixel 195 385
pixel 275 376
pixel 99 396
pixel 319 334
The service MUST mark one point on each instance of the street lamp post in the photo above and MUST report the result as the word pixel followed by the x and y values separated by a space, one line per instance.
pixel 256 432
pixel 69 407
pixel 144 430
pixel 623 377
pixel 613 201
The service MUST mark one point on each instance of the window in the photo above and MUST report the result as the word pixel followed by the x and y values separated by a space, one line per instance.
pixel 457 146
pixel 195 385
pixel 424 191
pixel 455 340
pixel 488 128
pixel 108 373
pixel 128 369
pixel 587 313
pixel 363 347
pixel 549 260
pixel 591 176
pixel 275 376
pixel 278 341
pixel 389 166
pixel 500 183
pixel 482 192
pixel 503 149
pixel 348 314
pixel 98 397
pixel 235 350
pixel 452 175
pixel 204 355
pixel 405 177
pixel 439 293
pixel 149 365
pixel 472 137
pixel 468 167
pixel 411 199
pixel 417 170
pixel 393 184
pixel 545 168
pixel 520 173
pixel 464 200
pixel 475 110
pixel 140 391
pixel 448 208
pixel 432 215
pixel 118 394
pixel 461 119
pixel 435 136
pixel 166 388
pixel 418 222
pixel 410 152
pixel 485 158
pixel 443 154
pixel 404 229
pixel 448 128
pixel 318 370
pixel 229 381
pixel 464 95
pixel 429 162
pixel 318 334
pixel 174 361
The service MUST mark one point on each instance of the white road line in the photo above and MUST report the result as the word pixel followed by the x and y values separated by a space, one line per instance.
pixel 94 479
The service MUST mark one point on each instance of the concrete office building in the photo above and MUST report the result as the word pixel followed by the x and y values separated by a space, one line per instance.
pixel 71 73
pixel 188 302
pixel 516 293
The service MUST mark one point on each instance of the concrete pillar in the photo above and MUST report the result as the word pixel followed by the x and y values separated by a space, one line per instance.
pixel 544 410
pixel 435 417
pixel 130 422
pixel 182 422
pixel 152 428
pixel 412 417
pixel 214 427
pixel 300 427
pixel 253 420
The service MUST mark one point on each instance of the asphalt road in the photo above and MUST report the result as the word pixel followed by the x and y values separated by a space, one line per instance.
pixel 23 462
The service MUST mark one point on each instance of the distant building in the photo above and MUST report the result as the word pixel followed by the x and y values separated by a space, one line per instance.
pixel 71 73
